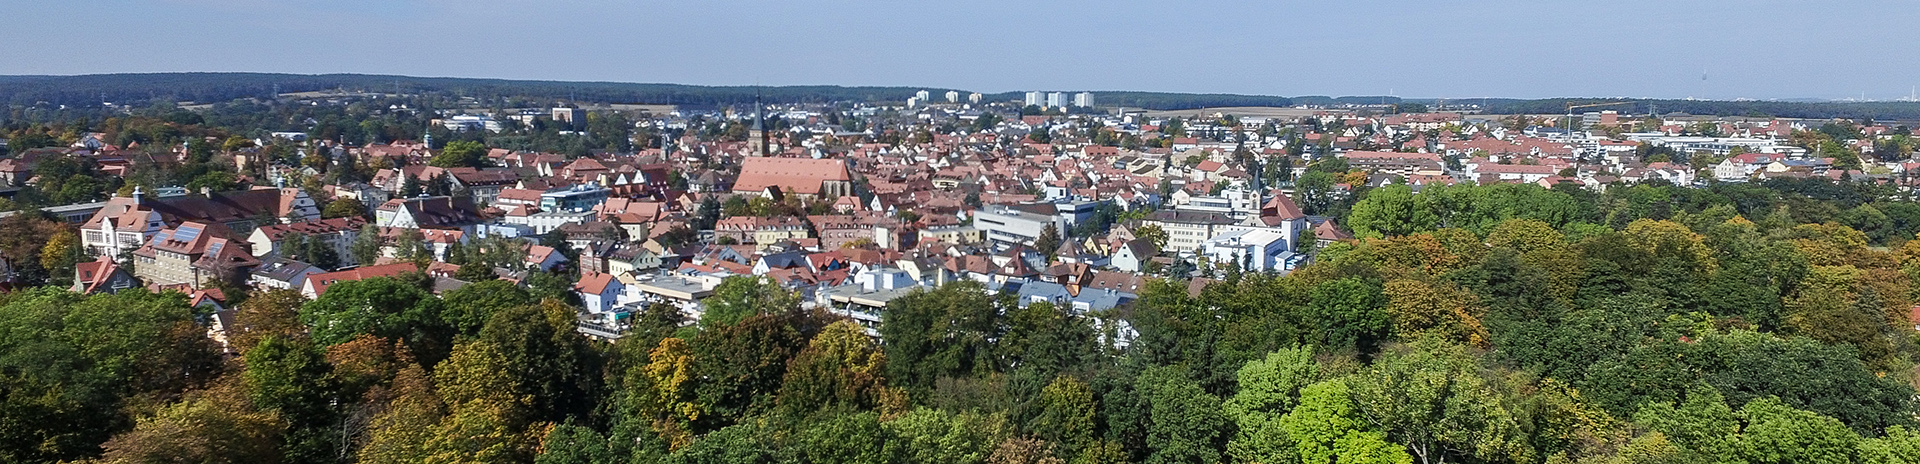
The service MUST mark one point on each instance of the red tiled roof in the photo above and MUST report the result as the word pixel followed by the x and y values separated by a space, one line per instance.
pixel 795 175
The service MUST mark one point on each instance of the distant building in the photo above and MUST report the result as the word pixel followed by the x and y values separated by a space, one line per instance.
pixel 468 122
pixel 1036 99
pixel 573 118
pixel 1056 99
pixel 1083 99
pixel 953 96
pixel 975 98
pixel 923 95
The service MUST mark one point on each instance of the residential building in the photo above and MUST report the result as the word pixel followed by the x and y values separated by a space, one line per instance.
pixel 193 253
pixel 1083 99
pixel 1249 249
pixel 123 224
pixel 427 212
pixel 337 233
pixel 316 284
pixel 102 275
pixel 1187 231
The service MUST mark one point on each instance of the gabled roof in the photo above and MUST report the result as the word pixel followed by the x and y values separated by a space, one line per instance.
pixel 320 282
pixel 594 283
pixel 795 175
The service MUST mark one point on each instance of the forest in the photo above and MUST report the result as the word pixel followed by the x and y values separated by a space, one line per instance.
pixel 1482 324
pixel 142 89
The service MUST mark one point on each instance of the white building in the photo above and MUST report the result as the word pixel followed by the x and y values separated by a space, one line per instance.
pixel 1036 99
pixel 923 95
pixel 975 98
pixel 1006 226
pixel 1056 99
pixel 953 96
pixel 1253 249
pixel 468 122
pixel 1083 99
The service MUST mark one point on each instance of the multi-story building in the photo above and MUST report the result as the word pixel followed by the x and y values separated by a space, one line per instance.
pixel 574 118
pixel 1056 99
pixel 192 253
pixel 1083 99
pixel 124 223
pixel 1006 226
pixel 580 197
pixel 1186 230
pixel 428 212
pixel 1036 99
pixel 760 231
pixel 337 233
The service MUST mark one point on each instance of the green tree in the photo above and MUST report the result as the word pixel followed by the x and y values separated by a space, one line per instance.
pixel 1269 389
pixel 932 435
pixel 1351 313
pixel 1152 234
pixel 839 369
pixel 1186 425
pixel 940 333
pixel 383 307
pixel 214 427
pixel 73 364
pixel 1326 428
pixel 545 359
pixel 367 246
pixel 1067 415
pixel 460 154
pixel 292 378
pixel 344 207
pixel 467 309
pixel 739 297
pixel 1430 397
pixel 1389 211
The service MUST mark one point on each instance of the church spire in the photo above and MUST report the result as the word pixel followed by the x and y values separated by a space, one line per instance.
pixel 757 136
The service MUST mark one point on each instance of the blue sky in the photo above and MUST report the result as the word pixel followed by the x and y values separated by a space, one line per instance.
pixel 1449 49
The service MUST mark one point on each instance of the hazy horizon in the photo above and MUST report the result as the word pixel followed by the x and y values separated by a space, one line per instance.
pixel 1769 50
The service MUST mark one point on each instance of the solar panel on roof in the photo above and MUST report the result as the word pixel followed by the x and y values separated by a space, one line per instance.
pixel 186 234
pixel 215 247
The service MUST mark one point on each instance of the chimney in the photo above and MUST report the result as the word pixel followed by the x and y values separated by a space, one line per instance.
pixel 137 193
pixel 206 192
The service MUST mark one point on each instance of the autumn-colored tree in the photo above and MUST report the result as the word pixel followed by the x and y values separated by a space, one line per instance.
pixel 840 368
pixel 1440 309
pixel 274 313
pixel 401 433
pixel 212 426
pixel 665 394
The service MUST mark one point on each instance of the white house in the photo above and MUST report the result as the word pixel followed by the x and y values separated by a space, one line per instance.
pixel 1252 249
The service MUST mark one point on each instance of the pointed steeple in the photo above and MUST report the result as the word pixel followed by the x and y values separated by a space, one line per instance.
pixel 757 136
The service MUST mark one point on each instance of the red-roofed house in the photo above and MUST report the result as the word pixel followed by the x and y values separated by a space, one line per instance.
pixel 317 284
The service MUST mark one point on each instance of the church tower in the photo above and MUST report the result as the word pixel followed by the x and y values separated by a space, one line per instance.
pixel 757 136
